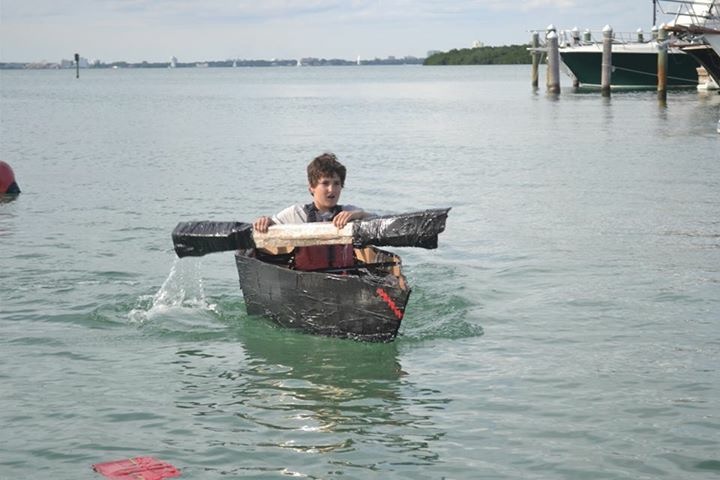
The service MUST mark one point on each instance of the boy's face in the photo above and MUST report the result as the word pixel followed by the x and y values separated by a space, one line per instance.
pixel 326 193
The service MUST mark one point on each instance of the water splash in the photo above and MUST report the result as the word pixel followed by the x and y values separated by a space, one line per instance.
pixel 181 293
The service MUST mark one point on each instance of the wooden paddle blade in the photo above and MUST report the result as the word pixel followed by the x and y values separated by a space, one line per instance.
pixel 203 237
pixel 417 229
pixel 303 234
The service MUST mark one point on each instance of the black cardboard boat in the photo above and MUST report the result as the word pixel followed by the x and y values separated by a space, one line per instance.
pixel 365 301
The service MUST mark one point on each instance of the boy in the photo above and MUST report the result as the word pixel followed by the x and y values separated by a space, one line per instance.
pixel 326 179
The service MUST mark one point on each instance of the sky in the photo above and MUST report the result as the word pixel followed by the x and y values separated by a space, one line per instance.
pixel 203 30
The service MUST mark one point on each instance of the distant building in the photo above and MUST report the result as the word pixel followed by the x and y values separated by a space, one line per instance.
pixel 35 65
pixel 173 62
pixel 478 44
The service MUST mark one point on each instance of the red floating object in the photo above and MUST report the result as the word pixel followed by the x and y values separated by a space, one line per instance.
pixel 7 179
pixel 138 468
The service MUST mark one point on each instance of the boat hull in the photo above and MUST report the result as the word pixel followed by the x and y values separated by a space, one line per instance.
pixel 712 63
pixel 630 69
pixel 366 307
pixel 708 58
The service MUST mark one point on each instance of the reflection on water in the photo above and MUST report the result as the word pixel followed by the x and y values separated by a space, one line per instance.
pixel 307 401
pixel 6 215
pixel 7 198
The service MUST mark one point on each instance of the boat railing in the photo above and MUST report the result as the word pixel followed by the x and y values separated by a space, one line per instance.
pixel 592 38
pixel 698 13
pixel 573 38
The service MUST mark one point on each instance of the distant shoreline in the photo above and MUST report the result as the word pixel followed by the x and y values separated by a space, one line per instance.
pixel 480 55
pixel 304 62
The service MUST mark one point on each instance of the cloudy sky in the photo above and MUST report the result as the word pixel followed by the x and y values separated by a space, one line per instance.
pixel 195 30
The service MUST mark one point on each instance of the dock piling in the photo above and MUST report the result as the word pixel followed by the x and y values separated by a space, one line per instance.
pixel 662 64
pixel 77 65
pixel 553 60
pixel 535 43
pixel 575 33
pixel 606 72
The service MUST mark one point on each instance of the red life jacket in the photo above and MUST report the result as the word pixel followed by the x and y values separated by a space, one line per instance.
pixel 319 257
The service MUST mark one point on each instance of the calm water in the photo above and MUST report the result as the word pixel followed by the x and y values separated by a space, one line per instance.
pixel 567 327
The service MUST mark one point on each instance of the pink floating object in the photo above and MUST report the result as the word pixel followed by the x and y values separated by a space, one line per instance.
pixel 138 468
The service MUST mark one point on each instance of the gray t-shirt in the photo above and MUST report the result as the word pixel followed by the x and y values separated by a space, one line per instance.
pixel 297 214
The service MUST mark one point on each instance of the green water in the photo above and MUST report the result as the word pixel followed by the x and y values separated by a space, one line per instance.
pixel 566 327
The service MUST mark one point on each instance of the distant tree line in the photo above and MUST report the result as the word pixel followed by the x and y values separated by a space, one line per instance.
pixel 505 55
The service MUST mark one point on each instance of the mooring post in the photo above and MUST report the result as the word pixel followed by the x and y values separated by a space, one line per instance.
pixel 575 33
pixel 587 36
pixel 553 60
pixel 640 35
pixel 535 43
pixel 606 72
pixel 77 65
pixel 662 64
pixel 548 29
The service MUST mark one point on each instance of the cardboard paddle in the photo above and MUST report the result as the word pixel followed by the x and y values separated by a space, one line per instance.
pixel 417 229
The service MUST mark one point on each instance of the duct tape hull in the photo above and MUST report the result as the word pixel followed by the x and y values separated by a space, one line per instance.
pixel 361 306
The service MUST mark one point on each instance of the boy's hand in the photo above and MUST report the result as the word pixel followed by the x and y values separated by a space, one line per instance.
pixel 342 218
pixel 262 224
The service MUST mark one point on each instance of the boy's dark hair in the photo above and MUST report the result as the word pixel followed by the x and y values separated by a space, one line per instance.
pixel 325 165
